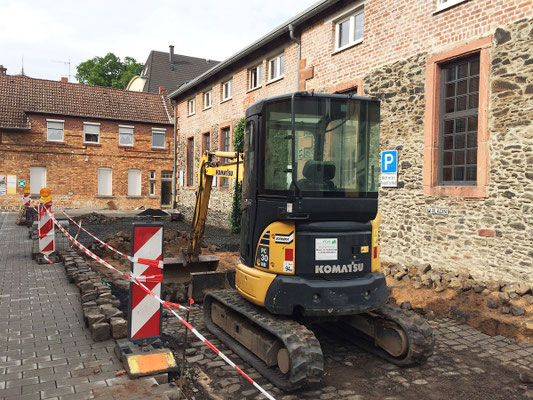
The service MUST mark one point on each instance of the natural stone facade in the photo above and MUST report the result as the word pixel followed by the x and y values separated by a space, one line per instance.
pixel 489 236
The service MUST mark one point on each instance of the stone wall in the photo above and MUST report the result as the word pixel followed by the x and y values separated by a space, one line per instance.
pixel 489 236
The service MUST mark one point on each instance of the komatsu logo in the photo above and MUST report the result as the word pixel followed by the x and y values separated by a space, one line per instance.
pixel 339 269
pixel 224 173
pixel 284 238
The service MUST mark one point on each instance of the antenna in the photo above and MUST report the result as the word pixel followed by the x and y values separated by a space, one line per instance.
pixel 22 69
pixel 65 63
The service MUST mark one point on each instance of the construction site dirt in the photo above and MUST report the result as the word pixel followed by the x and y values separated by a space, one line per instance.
pixel 479 353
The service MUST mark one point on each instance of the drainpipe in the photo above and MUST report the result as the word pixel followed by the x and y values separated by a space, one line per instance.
pixel 174 203
pixel 299 43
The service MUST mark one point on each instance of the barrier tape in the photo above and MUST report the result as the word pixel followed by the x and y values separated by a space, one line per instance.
pixel 144 261
pixel 77 234
pixel 47 259
pixel 166 304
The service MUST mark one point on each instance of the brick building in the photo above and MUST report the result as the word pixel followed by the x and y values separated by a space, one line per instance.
pixel 455 79
pixel 90 145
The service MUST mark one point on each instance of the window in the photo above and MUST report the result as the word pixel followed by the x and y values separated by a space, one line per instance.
pixel 276 67
pixel 158 138
pixel 207 141
pixel 227 90
pixel 443 4
pixel 105 182
pixel 456 151
pixel 152 183
pixel 208 99
pixel 255 77
pixel 349 31
pixel 91 132
pixel 125 135
pixel 55 130
pixel 226 138
pixel 190 161
pixel 134 182
pixel 37 179
pixel 191 106
pixel 458 122
pixel 152 175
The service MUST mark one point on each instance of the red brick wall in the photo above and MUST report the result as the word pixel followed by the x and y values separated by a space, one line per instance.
pixel 72 166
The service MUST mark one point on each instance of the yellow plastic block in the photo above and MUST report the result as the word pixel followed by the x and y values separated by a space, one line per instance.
pixel 151 363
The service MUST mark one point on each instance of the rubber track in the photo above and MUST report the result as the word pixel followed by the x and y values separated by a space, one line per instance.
pixel 419 335
pixel 305 353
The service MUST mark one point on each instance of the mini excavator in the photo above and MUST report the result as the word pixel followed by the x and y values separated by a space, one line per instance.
pixel 309 251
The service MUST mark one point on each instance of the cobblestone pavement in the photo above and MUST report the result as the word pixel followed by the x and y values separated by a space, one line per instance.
pixel 47 353
pixel 45 350
pixel 466 364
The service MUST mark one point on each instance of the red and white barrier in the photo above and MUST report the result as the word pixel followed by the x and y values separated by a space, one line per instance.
pixel 166 304
pixel 46 225
pixel 145 311
pixel 26 197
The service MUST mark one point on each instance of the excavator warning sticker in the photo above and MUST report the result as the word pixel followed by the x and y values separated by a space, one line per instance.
pixel 326 249
pixel 262 256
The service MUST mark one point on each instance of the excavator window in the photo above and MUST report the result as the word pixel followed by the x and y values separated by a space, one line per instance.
pixel 337 147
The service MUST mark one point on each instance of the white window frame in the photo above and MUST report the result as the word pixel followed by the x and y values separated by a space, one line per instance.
pixel 137 184
pixel 152 175
pixel 274 74
pixel 227 90
pixel 191 106
pixel 128 127
pixel 152 189
pixel 58 121
pixel 110 185
pixel 208 95
pixel 351 33
pixel 444 4
pixel 42 172
pixel 159 131
pixel 85 124
pixel 259 74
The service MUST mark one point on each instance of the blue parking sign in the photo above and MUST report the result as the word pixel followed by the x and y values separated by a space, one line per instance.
pixel 389 161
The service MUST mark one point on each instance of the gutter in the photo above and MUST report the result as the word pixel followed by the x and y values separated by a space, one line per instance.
pixel 174 203
pixel 276 33
pixel 299 43
pixel 97 117
pixel 13 128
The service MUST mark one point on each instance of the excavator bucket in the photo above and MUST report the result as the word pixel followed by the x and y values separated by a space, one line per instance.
pixel 178 270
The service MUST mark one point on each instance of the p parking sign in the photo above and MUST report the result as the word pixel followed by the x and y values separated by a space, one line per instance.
pixel 389 168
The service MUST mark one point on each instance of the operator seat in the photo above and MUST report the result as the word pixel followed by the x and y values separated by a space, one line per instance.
pixel 318 176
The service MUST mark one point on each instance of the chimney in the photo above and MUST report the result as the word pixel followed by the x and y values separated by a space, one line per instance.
pixel 163 91
pixel 171 54
pixel 64 79
pixel 3 70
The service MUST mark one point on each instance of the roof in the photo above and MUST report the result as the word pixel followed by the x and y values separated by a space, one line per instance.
pixel 20 95
pixel 280 31
pixel 159 72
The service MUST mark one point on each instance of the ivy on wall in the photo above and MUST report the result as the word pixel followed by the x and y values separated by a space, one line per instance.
pixel 238 145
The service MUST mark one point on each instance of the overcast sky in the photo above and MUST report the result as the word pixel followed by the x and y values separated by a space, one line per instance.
pixel 49 33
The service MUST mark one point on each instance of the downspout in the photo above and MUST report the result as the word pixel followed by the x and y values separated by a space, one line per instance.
pixel 174 203
pixel 299 43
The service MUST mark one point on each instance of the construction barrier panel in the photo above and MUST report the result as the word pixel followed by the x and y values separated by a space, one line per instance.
pixel 145 310
pixel 46 225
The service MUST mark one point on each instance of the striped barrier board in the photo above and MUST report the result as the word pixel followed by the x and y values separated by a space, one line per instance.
pixel 145 310
pixel 46 229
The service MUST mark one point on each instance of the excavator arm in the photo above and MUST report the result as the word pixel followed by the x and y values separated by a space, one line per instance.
pixel 222 164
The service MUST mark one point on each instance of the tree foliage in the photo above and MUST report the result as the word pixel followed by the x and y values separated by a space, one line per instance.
pixel 238 145
pixel 108 71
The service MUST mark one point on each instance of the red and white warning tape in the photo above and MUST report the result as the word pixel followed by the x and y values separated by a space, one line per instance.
pixel 166 304
pixel 144 261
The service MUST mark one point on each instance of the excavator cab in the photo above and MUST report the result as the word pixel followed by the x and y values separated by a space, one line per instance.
pixel 310 195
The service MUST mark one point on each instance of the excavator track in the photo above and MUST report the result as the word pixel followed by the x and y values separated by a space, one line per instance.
pixel 306 364
pixel 418 333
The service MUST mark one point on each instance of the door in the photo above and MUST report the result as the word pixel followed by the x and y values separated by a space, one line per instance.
pixel 166 188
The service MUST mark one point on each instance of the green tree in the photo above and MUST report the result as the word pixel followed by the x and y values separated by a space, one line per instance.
pixel 238 145
pixel 108 71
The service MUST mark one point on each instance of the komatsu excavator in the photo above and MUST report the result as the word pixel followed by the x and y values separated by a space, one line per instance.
pixel 309 240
